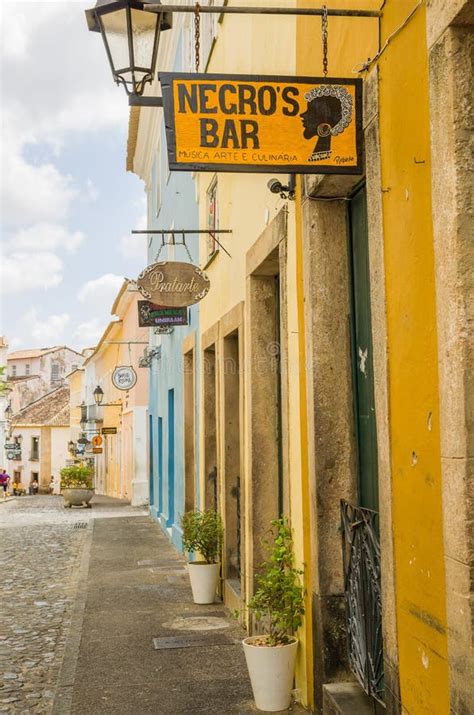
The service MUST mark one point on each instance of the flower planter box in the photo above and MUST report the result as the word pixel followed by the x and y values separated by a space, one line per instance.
pixel 77 496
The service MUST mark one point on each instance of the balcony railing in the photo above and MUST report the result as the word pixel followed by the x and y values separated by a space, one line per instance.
pixel 361 554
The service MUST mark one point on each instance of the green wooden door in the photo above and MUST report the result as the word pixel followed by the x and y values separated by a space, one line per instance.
pixel 362 354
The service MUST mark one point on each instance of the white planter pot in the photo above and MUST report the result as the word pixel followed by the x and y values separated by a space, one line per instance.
pixel 203 579
pixel 272 671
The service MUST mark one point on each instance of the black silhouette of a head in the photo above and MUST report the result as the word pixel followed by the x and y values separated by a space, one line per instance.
pixel 320 116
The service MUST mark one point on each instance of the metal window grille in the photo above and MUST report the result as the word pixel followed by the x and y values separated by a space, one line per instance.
pixel 361 555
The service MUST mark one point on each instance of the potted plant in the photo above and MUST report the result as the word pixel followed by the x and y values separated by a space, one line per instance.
pixel 202 535
pixel 278 606
pixel 76 485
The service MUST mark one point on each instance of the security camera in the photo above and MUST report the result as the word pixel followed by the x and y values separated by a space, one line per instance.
pixel 285 191
pixel 276 187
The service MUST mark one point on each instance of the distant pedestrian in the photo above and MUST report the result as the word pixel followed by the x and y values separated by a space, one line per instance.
pixel 51 485
pixel 4 482
pixel 34 487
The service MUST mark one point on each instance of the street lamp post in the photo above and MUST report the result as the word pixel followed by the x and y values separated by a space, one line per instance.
pixel 131 34
pixel 98 395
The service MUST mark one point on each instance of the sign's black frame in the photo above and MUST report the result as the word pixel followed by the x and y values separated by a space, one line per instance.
pixel 166 80
pixel 180 313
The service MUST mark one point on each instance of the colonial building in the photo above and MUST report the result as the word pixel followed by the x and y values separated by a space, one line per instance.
pixel 32 373
pixel 119 417
pixel 42 431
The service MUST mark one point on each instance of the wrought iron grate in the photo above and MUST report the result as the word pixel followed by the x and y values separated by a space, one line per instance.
pixel 80 525
pixel 361 554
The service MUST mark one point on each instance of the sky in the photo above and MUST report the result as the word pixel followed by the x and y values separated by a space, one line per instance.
pixel 67 202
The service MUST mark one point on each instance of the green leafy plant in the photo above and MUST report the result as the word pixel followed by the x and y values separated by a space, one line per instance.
pixel 278 602
pixel 203 532
pixel 77 476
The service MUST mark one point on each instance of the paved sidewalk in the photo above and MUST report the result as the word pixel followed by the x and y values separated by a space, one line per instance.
pixel 133 587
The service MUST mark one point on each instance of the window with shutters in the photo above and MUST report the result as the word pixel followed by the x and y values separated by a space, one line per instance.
pixel 55 372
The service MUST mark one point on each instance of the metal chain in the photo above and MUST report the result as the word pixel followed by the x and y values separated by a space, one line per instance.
pixel 160 249
pixel 197 35
pixel 187 249
pixel 324 29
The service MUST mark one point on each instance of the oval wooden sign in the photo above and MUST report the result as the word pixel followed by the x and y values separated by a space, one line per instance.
pixel 173 284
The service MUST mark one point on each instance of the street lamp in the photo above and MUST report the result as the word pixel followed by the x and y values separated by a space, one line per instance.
pixel 98 395
pixel 131 32
pixel 8 412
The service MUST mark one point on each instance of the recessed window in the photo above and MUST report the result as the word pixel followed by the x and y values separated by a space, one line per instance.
pixel 13 370
pixel 55 372
pixel 34 448
pixel 27 369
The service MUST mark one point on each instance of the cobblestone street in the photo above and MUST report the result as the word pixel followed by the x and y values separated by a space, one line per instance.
pixel 41 551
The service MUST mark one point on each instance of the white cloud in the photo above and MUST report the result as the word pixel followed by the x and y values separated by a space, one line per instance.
pixel 46 237
pixel 133 248
pixel 91 192
pixel 88 333
pixel 15 41
pixel 23 271
pixel 14 343
pixel 49 330
pixel 101 291
pixel 65 87
pixel 32 193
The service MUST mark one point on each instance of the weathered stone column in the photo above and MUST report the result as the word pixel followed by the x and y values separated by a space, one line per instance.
pixel 450 54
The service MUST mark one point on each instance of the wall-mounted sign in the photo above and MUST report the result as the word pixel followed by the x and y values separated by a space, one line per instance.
pixel 13 450
pixel 151 315
pixel 173 284
pixel 124 377
pixel 97 450
pixel 96 440
pixel 14 454
pixel 263 124
pixel 108 430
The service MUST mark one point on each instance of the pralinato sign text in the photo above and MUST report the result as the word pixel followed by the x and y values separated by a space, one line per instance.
pixel 173 284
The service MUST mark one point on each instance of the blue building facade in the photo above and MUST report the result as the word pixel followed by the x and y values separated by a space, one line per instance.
pixel 173 441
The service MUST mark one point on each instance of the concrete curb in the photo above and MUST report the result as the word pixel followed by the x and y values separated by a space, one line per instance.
pixel 63 697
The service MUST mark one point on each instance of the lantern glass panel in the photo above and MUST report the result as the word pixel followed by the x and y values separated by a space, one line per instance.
pixel 116 36
pixel 144 26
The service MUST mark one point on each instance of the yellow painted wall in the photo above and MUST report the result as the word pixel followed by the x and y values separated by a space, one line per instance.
pixel 117 456
pixel 413 368
pixel 267 45
pixel 411 319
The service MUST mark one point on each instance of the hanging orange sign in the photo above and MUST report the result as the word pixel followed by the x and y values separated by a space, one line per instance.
pixel 263 124
pixel 96 440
